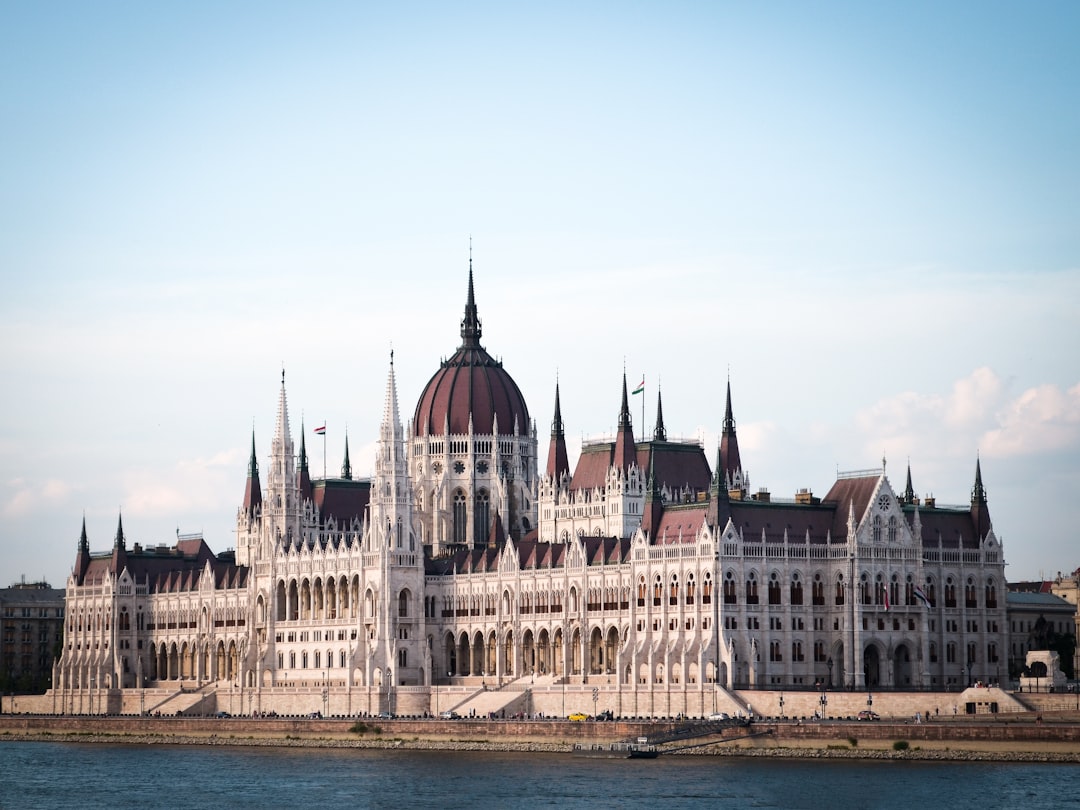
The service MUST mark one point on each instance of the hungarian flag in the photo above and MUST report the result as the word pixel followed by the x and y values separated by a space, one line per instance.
pixel 641 387
pixel 920 594
pixel 321 430
pixel 885 592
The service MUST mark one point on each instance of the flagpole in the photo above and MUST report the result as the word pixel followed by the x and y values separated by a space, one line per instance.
pixel 324 451
pixel 643 431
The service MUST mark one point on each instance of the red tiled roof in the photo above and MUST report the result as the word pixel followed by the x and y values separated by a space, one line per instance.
pixel 167 568
pixel 470 384
pixel 679 524
pixel 342 499
pixel 674 464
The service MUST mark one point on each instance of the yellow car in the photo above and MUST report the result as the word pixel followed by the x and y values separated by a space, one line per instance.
pixel 578 717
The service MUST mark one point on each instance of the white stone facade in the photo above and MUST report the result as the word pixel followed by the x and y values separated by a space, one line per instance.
pixel 663 595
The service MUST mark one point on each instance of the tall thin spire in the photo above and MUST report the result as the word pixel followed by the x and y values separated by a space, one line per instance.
pixel 731 470
pixel 281 481
pixel 558 462
pixel 978 493
pixel 391 420
pixel 980 512
pixel 120 543
pixel 82 558
pixel 252 489
pixel 625 450
pixel 281 430
pixel 909 492
pixel 470 324
pixel 253 463
pixel 306 489
pixel 660 433
pixel 346 467
pixel 624 410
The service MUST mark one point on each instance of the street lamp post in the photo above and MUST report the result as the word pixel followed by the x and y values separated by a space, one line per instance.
pixel 781 705
pixel 824 700
pixel 829 665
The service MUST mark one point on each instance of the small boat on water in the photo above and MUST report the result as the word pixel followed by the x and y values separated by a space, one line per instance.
pixel 619 750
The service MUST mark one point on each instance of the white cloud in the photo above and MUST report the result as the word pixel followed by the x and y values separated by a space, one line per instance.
pixel 26 497
pixel 973 398
pixel 976 415
pixel 1043 419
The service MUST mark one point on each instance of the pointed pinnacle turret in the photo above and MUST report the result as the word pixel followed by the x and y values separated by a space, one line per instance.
pixel 558 462
pixel 730 461
pixel 119 542
pixel 909 492
pixel 470 324
pixel 625 450
pixel 391 422
pixel 557 422
pixel 980 512
pixel 660 433
pixel 253 464
pixel 252 488
pixel 624 410
pixel 306 490
pixel 82 558
pixel 281 430
pixel 346 467
pixel 978 494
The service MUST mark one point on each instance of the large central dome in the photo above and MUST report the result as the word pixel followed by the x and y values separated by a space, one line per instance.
pixel 471 383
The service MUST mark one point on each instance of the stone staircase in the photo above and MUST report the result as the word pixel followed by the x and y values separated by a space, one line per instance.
pixel 511 698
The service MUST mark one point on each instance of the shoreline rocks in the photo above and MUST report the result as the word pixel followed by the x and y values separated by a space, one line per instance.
pixel 543 747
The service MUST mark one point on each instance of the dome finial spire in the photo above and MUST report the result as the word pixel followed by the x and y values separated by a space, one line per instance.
pixel 470 324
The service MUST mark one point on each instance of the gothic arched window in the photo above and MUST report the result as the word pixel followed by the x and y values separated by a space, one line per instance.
pixel 461 516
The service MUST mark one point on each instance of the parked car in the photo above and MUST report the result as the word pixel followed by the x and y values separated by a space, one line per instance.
pixel 578 717
pixel 449 714
pixel 866 714
pixel 719 716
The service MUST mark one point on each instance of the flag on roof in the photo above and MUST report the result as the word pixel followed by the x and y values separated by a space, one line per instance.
pixel 641 387
pixel 321 430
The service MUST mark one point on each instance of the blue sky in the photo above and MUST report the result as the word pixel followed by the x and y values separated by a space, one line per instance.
pixel 866 214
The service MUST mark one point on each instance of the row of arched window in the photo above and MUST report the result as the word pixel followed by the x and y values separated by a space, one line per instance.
pixel 874 589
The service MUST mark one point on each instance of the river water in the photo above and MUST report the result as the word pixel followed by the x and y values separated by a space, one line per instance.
pixel 83 775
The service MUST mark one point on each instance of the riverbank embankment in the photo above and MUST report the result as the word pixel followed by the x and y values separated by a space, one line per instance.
pixel 954 741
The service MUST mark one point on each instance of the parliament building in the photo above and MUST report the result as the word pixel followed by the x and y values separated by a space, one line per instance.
pixel 466 575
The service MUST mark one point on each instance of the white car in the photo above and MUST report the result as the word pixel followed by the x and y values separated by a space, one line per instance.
pixel 718 716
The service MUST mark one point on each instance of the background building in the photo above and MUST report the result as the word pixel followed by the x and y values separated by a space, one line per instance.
pixel 33 628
